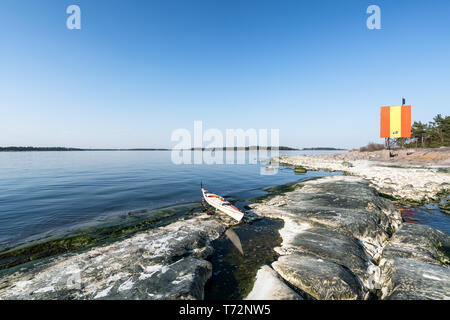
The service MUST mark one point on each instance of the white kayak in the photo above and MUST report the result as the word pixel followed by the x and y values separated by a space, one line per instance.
pixel 222 205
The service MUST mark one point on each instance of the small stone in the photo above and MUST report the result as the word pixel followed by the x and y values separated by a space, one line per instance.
pixel 299 169
pixel 347 164
pixel 445 207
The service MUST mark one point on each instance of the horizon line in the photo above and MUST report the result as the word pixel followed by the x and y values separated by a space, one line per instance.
pixel 285 148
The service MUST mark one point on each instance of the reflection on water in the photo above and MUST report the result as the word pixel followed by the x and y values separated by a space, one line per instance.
pixel 234 238
pixel 234 271
pixel 428 214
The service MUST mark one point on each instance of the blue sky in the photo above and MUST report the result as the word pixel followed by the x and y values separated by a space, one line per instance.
pixel 137 70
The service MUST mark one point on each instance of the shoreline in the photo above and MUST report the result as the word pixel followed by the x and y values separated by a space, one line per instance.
pixel 167 262
pixel 189 243
pixel 84 238
pixel 341 240
pixel 374 247
pixel 408 180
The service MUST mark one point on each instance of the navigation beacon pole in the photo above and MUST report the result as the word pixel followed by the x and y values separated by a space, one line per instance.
pixel 401 138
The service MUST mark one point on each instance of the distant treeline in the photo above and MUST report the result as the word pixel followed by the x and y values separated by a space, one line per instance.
pixel 322 149
pixel 69 149
pixel 433 134
pixel 38 149
pixel 11 149
pixel 242 148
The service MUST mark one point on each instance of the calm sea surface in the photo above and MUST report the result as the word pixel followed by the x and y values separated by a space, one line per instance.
pixel 47 193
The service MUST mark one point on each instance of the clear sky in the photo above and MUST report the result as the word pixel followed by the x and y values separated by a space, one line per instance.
pixel 137 70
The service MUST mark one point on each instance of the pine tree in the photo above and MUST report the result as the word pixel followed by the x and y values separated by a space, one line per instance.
pixel 439 123
pixel 418 133
pixel 446 131
pixel 434 134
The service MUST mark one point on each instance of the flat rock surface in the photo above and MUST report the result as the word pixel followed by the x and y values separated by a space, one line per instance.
pixel 321 279
pixel 401 180
pixel 341 240
pixel 336 247
pixel 338 223
pixel 162 263
pixel 414 264
pixel 419 242
pixel 408 279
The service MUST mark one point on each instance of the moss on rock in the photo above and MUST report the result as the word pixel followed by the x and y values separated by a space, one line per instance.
pixel 87 239
pixel 445 207
pixel 300 169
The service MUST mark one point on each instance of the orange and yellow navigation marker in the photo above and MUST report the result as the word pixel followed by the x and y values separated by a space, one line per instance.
pixel 395 122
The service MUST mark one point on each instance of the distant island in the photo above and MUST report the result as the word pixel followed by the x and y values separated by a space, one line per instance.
pixel 243 148
pixel 24 149
pixel 323 149
pixel 30 149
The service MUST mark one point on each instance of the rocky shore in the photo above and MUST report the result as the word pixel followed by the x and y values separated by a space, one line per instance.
pixel 341 240
pixel 163 263
pixel 411 176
